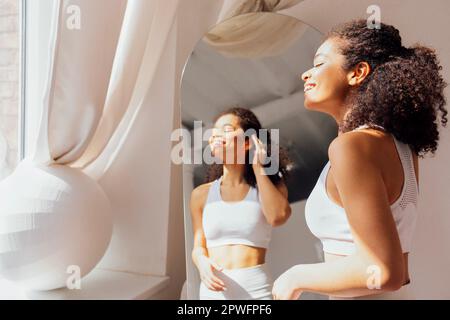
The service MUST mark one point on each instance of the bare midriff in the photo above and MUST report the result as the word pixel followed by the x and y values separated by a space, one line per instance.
pixel 237 256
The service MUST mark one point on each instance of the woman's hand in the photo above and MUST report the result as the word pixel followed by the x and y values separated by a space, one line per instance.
pixel 273 197
pixel 206 269
pixel 284 287
pixel 260 153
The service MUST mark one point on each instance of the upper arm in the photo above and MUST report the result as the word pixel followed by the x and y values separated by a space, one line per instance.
pixel 363 194
pixel 282 189
pixel 197 202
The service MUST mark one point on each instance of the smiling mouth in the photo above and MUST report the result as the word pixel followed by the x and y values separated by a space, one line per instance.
pixel 218 144
pixel 309 87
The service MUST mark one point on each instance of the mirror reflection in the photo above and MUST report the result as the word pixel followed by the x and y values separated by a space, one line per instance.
pixel 236 81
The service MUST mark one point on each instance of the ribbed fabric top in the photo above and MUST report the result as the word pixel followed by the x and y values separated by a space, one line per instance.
pixel 240 222
pixel 328 221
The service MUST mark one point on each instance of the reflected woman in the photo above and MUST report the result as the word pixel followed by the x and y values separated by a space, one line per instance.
pixel 233 214
pixel 388 102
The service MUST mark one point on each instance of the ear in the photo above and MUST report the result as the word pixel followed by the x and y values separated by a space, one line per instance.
pixel 358 74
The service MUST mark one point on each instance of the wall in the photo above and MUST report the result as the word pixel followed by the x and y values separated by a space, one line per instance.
pixel 9 81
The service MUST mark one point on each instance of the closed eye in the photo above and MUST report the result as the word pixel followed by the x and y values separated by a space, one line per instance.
pixel 318 65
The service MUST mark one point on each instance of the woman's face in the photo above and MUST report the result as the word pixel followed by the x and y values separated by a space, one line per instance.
pixel 326 84
pixel 227 141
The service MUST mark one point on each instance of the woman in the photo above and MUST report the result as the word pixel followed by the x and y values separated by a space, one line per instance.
pixel 234 213
pixel 388 102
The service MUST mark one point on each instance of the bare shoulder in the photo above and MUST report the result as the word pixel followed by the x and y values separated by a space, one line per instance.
pixel 363 146
pixel 200 194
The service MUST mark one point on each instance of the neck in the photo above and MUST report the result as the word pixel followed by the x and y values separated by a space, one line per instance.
pixel 233 174
pixel 340 116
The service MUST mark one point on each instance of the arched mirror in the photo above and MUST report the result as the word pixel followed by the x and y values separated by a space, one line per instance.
pixel 255 61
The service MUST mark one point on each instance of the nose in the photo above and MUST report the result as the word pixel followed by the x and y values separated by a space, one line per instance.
pixel 306 75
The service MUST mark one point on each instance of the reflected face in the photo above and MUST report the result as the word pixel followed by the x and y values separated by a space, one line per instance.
pixel 227 141
pixel 326 85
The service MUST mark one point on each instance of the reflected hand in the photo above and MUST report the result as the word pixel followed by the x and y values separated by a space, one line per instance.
pixel 260 154
pixel 206 268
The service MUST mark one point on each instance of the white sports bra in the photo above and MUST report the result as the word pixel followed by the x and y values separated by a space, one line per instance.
pixel 239 222
pixel 328 221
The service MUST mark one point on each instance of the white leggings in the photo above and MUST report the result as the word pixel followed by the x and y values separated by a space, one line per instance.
pixel 253 283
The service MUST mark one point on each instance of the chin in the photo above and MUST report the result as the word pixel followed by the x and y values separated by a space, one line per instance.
pixel 310 105
pixel 307 106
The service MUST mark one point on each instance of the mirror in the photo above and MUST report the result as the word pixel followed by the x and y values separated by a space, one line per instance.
pixel 255 61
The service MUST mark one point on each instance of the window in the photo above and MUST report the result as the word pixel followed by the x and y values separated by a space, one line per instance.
pixel 10 87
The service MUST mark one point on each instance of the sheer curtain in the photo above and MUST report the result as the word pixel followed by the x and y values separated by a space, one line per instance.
pixel 249 31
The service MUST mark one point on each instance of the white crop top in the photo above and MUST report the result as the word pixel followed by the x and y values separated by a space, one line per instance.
pixel 328 221
pixel 239 222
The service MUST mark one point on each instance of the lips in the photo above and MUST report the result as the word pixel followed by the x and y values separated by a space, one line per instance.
pixel 218 143
pixel 309 86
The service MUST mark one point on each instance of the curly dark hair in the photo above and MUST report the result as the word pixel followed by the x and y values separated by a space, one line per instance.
pixel 249 121
pixel 403 93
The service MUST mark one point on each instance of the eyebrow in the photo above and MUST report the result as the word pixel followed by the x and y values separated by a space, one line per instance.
pixel 319 54
pixel 225 125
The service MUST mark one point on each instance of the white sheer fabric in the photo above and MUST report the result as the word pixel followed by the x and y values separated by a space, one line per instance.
pixel 78 78
pixel 233 8
pixel 246 32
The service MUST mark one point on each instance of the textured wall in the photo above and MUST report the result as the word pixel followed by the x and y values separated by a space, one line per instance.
pixel 9 76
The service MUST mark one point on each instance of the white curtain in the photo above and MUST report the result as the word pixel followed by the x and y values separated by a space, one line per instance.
pixel 249 30
pixel 77 83
pixel 99 77
pixel 233 8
